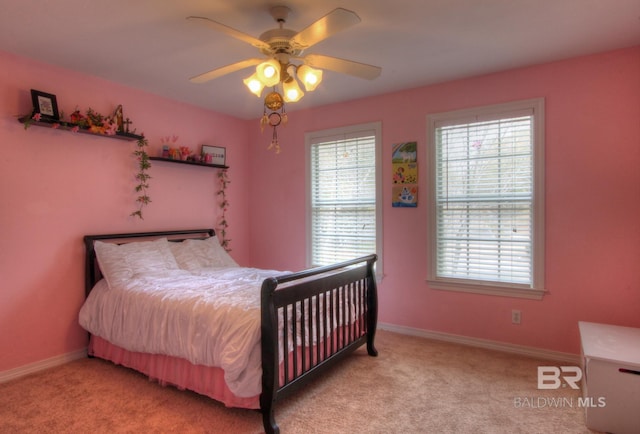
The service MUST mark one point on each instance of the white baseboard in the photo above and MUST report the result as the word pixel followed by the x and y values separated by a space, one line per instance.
pixel 31 368
pixel 538 353
pixel 533 352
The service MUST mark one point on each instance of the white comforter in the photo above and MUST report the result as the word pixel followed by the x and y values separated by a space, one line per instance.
pixel 210 317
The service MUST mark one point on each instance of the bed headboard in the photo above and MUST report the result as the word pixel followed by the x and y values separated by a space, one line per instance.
pixel 92 271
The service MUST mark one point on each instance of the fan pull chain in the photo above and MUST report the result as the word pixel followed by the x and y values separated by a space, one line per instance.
pixel 264 121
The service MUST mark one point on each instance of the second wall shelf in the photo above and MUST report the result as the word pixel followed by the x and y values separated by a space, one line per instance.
pixel 193 163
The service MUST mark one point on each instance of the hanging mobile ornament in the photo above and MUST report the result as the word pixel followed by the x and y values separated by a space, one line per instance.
pixel 274 102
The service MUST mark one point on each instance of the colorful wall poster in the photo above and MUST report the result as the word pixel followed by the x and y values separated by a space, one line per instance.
pixel 405 175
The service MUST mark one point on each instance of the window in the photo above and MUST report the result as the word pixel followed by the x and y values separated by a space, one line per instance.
pixel 344 190
pixel 486 201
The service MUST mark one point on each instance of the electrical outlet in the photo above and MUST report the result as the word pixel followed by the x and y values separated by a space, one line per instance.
pixel 516 316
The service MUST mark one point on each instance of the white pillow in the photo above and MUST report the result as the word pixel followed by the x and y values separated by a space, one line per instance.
pixel 194 254
pixel 120 263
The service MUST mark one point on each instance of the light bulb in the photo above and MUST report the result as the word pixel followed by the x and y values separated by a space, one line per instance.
pixel 309 77
pixel 292 91
pixel 268 72
pixel 254 85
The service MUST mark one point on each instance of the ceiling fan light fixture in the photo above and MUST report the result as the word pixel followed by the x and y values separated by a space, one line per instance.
pixel 292 91
pixel 254 84
pixel 310 77
pixel 268 72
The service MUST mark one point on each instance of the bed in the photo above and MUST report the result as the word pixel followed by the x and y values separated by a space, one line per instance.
pixel 269 333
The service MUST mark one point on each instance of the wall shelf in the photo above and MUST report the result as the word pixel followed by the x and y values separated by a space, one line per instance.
pixel 193 163
pixel 66 126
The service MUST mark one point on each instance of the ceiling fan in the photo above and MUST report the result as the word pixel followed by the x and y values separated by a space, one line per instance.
pixel 283 49
pixel 285 45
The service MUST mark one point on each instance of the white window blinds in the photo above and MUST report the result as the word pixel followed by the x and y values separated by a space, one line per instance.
pixel 485 200
pixel 343 197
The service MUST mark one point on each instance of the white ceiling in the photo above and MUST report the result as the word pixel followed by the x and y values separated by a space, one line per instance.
pixel 148 44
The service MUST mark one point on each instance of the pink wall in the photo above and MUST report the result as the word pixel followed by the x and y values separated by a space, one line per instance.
pixel 58 186
pixel 592 201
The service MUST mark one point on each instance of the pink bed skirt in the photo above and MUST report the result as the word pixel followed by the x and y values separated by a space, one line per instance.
pixel 168 370
pixel 209 381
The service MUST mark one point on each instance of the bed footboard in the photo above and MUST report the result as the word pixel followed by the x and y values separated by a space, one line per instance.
pixel 311 320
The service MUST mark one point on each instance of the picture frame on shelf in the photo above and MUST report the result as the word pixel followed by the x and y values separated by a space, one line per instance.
pixel 214 155
pixel 45 104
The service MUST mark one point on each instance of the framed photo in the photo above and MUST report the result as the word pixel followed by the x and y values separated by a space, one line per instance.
pixel 45 104
pixel 214 155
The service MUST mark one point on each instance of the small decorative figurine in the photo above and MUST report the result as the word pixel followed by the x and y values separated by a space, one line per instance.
pixel 119 119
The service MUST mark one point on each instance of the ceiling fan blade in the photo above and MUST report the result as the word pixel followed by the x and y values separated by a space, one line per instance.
pixel 229 31
pixel 335 21
pixel 219 72
pixel 349 67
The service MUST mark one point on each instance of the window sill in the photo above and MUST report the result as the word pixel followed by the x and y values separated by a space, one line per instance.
pixel 532 294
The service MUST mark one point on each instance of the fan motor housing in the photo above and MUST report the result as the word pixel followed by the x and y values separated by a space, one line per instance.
pixel 279 41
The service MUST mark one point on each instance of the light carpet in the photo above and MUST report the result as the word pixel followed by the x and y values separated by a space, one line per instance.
pixel 415 385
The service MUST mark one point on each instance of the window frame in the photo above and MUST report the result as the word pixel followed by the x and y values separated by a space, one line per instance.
pixel 536 289
pixel 339 133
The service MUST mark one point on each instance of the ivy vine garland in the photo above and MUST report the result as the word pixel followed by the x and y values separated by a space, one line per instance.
pixel 224 203
pixel 142 176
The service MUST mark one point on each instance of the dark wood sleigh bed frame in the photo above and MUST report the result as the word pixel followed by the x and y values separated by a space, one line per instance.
pixel 340 291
